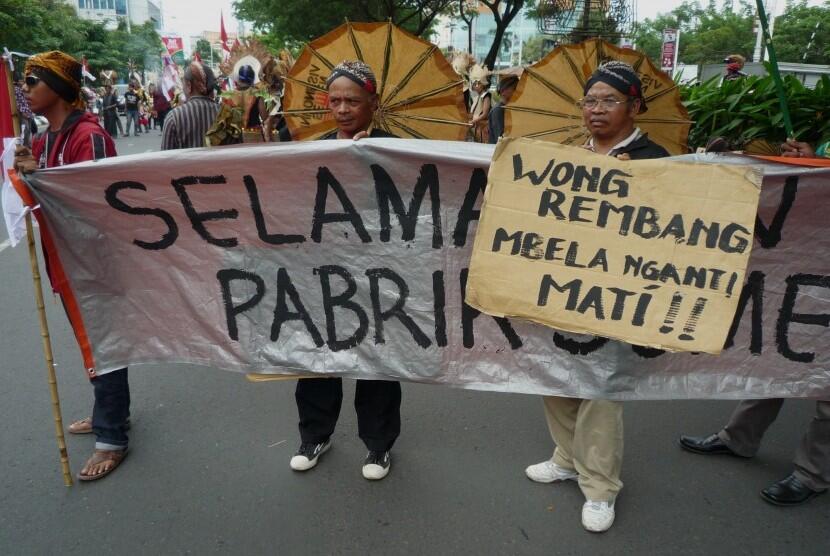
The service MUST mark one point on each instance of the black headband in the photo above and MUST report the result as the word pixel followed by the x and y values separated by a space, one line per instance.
pixel 67 91
pixel 367 84
pixel 621 77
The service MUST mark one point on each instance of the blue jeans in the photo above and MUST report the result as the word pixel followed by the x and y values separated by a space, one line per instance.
pixel 111 410
pixel 132 116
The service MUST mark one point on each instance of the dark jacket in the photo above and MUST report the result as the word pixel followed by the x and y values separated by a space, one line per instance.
pixel 375 134
pixel 643 148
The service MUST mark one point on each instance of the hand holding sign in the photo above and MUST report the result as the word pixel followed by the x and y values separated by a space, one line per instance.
pixel 649 252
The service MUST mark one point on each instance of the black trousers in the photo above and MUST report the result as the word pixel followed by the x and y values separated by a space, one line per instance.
pixel 377 402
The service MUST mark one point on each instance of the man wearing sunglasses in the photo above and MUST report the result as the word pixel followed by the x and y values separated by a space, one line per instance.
pixel 589 433
pixel 53 89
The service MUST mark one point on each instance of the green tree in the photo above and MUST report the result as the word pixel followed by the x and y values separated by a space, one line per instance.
pixel 794 28
pixel 503 12
pixel 537 47
pixel 292 22
pixel 707 34
pixel 39 25
pixel 209 55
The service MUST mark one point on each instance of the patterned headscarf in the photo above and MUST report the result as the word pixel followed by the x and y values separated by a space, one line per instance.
pixel 620 76
pixel 61 72
pixel 358 72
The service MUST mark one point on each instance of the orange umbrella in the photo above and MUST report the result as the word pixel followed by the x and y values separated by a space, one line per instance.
pixel 544 104
pixel 420 94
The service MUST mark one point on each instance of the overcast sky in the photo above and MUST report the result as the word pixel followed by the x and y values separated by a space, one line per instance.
pixel 188 18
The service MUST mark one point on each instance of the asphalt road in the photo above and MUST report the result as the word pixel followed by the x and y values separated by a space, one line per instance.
pixel 208 469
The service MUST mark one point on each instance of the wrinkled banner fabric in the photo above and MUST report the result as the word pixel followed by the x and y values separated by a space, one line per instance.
pixel 349 258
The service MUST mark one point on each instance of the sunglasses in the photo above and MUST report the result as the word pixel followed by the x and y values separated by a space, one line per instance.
pixel 32 81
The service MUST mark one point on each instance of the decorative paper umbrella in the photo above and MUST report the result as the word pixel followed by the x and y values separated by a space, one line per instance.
pixel 544 104
pixel 420 94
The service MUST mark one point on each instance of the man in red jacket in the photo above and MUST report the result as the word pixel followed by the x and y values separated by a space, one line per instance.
pixel 53 89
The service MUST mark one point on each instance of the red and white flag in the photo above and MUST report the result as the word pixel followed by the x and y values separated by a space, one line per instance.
pixel 85 69
pixel 223 35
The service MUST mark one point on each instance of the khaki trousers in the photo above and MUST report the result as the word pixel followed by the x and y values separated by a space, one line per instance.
pixel 589 439
pixel 752 418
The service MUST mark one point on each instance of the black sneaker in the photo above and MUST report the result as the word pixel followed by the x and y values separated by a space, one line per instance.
pixel 308 454
pixel 376 465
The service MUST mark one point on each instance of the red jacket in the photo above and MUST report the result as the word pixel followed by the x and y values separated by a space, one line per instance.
pixel 82 138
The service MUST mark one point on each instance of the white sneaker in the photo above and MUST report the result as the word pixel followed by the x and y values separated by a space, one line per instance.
pixel 308 454
pixel 549 472
pixel 376 465
pixel 598 516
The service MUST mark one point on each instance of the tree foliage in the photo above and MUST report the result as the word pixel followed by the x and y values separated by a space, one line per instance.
pixel 291 22
pixel 31 26
pixel 503 12
pixel 793 30
pixel 707 35
pixel 205 52
pixel 710 33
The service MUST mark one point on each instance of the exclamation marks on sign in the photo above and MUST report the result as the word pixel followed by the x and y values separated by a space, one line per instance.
pixel 692 320
pixel 694 317
pixel 671 316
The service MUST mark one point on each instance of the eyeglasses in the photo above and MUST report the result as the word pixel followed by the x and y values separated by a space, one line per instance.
pixel 32 81
pixel 606 103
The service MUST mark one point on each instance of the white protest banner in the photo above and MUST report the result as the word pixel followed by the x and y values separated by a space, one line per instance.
pixel 349 258
pixel 647 251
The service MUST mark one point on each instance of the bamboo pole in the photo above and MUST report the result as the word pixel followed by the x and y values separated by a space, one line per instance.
pixel 776 74
pixel 47 352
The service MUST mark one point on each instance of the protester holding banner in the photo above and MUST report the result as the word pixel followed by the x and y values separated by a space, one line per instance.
pixel 186 125
pixel 589 433
pixel 53 89
pixel 743 433
pixel 353 100
pixel 799 149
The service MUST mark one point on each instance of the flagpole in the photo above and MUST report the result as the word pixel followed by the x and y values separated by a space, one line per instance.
pixel 47 352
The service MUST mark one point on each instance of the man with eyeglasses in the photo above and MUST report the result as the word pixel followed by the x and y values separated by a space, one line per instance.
pixel 53 89
pixel 589 433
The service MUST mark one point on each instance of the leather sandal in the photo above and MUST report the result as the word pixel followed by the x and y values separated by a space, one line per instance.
pixel 81 426
pixel 84 426
pixel 114 457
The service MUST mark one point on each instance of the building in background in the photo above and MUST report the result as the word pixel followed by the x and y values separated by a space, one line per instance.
pixel 451 35
pixel 110 12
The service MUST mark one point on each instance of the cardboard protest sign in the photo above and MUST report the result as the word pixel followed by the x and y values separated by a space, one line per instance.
pixel 649 252
pixel 343 258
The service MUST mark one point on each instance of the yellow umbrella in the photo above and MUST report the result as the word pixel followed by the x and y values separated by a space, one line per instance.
pixel 420 94
pixel 544 104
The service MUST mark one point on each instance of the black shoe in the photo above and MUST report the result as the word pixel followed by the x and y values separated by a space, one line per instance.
pixel 706 445
pixel 308 454
pixel 789 492
pixel 376 465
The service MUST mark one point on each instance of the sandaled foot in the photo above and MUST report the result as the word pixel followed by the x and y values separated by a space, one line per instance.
pixel 84 426
pixel 81 426
pixel 101 464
